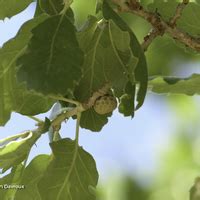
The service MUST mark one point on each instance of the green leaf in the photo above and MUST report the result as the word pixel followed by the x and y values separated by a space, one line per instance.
pixel 52 62
pixel 93 121
pixel 174 85
pixel 103 44
pixel 9 8
pixel 38 10
pixel 7 140
pixel 141 74
pixel 26 179
pixel 16 151
pixel 189 21
pixel 108 58
pixel 31 176
pixel 52 7
pixel 70 173
pixel 15 96
pixel 127 106
pixel 11 179
pixel 165 9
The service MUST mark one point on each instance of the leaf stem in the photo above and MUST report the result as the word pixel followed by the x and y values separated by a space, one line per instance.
pixel 25 162
pixel 35 119
pixel 60 98
pixel 77 126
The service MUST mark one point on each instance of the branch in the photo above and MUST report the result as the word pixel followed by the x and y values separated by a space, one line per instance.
pixel 55 124
pixel 178 13
pixel 155 32
pixel 81 107
pixel 160 25
pixel 62 117
pixel 76 111
pixel 149 38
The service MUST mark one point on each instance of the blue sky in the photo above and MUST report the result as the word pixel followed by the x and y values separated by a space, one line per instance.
pixel 124 145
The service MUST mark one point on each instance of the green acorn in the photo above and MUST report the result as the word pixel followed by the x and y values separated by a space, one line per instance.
pixel 105 104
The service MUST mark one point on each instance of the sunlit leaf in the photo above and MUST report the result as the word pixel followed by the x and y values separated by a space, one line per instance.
pixel 9 8
pixel 108 59
pixel 15 96
pixel 31 176
pixel 13 178
pixel 141 75
pixel 14 152
pixel 70 173
pixel 175 85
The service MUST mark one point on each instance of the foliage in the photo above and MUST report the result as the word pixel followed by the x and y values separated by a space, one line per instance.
pixel 188 86
pixel 54 60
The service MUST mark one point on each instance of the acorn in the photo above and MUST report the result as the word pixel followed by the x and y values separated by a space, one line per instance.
pixel 105 104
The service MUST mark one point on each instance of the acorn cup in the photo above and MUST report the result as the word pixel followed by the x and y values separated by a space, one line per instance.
pixel 105 104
